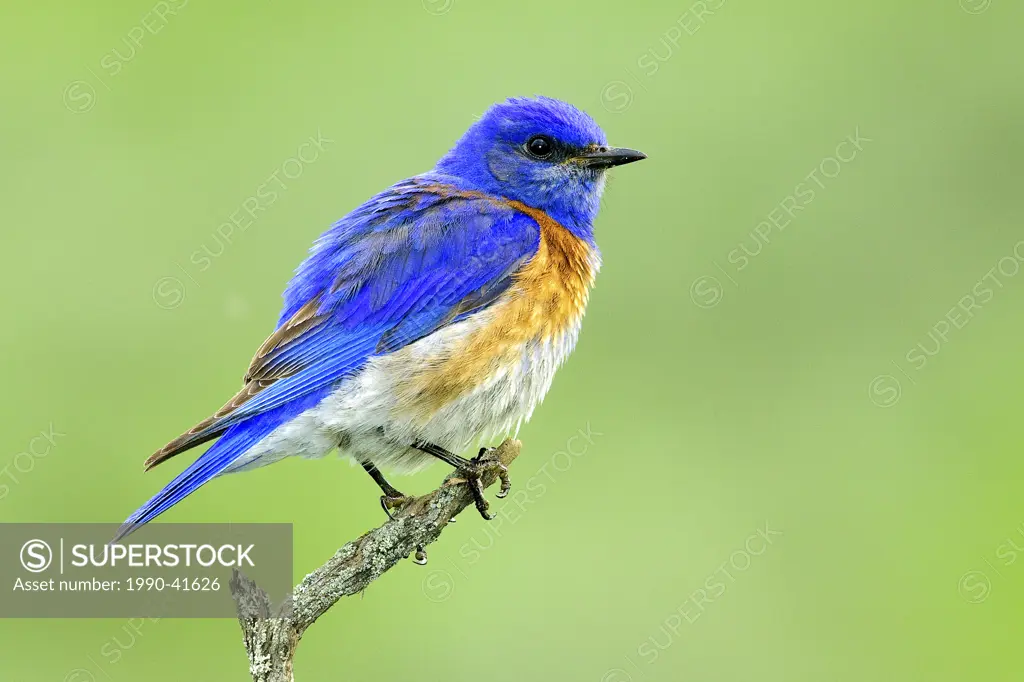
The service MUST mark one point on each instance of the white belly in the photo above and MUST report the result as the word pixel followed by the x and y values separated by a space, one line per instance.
pixel 368 417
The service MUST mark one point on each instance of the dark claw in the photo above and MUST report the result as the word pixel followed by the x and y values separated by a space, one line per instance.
pixel 420 556
pixel 392 498
pixel 506 484
pixel 474 477
pixel 388 503
pixel 472 470
pixel 477 487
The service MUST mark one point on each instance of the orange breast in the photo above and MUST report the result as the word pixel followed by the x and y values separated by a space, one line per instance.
pixel 546 302
pixel 555 284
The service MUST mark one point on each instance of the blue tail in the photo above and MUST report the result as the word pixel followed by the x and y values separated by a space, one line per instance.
pixel 234 443
pixel 230 447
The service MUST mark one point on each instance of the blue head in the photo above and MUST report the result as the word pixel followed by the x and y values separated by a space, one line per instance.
pixel 542 152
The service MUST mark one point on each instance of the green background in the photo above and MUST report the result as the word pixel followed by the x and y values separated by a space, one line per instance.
pixel 779 396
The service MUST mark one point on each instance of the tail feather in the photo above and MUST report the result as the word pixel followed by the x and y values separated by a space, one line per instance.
pixel 234 443
pixel 206 430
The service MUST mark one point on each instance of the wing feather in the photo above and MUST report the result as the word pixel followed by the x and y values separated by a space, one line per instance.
pixel 410 261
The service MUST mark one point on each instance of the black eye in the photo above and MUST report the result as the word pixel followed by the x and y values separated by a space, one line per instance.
pixel 540 146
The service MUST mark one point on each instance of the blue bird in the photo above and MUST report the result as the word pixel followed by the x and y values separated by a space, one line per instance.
pixel 432 316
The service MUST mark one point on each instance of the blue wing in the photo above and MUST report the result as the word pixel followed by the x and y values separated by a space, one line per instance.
pixel 417 257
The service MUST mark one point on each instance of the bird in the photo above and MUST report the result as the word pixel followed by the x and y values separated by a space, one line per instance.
pixel 431 317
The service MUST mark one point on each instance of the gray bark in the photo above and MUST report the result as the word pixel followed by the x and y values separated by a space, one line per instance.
pixel 271 635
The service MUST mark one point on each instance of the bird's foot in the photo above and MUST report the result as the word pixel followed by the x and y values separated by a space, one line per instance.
pixel 474 471
pixel 506 485
pixel 395 502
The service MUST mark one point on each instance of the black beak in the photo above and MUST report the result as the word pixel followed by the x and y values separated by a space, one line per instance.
pixel 606 157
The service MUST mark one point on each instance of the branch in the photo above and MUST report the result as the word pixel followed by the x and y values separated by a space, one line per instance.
pixel 271 636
